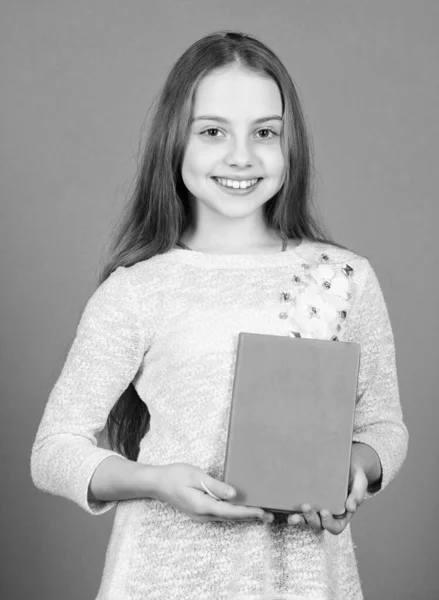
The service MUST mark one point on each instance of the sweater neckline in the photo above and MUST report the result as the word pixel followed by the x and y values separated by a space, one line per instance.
pixel 209 260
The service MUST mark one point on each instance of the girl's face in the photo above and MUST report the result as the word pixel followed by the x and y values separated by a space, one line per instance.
pixel 234 137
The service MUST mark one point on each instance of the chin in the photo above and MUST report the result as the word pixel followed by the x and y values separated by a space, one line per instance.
pixel 236 210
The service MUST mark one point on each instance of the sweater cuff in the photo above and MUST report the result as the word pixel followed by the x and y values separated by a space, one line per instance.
pixel 380 448
pixel 85 475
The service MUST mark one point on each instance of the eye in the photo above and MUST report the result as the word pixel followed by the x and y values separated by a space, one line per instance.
pixel 268 131
pixel 210 129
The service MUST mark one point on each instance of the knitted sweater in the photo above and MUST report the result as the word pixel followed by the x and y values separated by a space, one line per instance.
pixel 170 324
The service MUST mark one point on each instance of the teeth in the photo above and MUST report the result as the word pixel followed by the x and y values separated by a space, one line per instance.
pixel 237 184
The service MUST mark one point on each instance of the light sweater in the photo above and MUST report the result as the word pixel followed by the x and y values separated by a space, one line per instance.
pixel 171 325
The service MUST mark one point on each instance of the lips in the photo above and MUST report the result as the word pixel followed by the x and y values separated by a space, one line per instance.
pixel 233 183
pixel 236 178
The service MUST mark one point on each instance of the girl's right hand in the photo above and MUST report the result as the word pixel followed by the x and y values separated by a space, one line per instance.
pixel 180 485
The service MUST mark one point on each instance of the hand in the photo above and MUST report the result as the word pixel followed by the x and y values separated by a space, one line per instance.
pixel 357 490
pixel 180 485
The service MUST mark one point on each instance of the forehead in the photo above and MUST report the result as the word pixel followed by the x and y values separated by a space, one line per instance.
pixel 237 93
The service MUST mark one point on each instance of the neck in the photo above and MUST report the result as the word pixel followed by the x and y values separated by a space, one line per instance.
pixel 232 242
pixel 247 250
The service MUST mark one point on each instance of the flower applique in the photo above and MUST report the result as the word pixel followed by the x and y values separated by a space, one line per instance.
pixel 317 306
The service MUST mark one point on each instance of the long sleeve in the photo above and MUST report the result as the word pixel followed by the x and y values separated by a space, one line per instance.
pixel 103 360
pixel 378 419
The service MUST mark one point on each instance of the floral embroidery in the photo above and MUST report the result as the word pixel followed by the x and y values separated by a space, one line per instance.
pixel 348 270
pixel 317 308
pixel 285 297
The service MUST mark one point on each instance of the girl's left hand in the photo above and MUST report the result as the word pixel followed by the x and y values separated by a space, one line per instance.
pixel 357 486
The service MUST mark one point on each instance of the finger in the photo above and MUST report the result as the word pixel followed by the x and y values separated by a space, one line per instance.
pixel 311 517
pixel 296 519
pixel 207 518
pixel 357 491
pixel 228 519
pixel 211 494
pixel 233 511
pixel 217 489
pixel 351 503
pixel 334 526
pixel 219 508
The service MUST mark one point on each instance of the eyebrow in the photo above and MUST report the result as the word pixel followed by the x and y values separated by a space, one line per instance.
pixel 223 120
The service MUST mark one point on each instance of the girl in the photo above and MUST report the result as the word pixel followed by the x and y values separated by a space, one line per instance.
pixel 218 239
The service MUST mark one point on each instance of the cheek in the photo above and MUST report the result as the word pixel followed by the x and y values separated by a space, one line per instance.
pixel 272 159
pixel 275 165
pixel 276 162
pixel 195 169
pixel 196 162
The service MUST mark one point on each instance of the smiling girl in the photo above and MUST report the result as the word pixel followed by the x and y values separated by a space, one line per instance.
pixel 218 239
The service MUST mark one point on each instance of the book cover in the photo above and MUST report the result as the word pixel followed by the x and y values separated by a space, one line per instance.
pixel 291 422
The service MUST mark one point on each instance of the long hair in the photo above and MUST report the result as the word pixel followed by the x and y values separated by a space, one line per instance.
pixel 159 210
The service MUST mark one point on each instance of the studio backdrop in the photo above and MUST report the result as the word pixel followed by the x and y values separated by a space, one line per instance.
pixel 76 81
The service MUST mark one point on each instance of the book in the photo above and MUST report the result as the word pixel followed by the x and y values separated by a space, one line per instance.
pixel 291 422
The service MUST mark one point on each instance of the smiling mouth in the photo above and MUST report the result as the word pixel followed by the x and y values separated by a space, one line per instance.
pixel 234 184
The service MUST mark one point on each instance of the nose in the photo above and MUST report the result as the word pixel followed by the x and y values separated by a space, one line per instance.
pixel 240 153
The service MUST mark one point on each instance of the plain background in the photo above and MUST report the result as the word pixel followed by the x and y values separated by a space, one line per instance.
pixel 76 80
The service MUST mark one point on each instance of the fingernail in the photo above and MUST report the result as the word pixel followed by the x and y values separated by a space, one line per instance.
pixel 295 519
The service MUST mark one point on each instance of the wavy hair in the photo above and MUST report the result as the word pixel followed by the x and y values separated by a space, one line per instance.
pixel 159 209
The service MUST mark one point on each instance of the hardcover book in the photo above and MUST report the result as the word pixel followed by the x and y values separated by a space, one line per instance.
pixel 291 422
